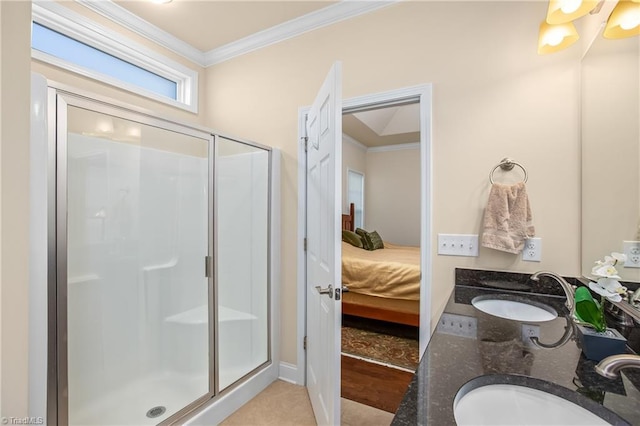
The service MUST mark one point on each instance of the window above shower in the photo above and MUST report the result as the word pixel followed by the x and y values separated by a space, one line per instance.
pixel 68 40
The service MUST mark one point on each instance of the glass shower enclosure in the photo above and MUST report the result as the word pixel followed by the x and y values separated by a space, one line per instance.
pixel 161 287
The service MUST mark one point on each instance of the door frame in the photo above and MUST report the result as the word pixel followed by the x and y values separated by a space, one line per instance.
pixel 423 95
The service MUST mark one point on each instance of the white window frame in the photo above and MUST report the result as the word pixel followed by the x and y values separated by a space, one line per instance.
pixel 349 170
pixel 80 28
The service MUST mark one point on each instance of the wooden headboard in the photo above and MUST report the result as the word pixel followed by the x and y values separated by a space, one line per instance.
pixel 348 220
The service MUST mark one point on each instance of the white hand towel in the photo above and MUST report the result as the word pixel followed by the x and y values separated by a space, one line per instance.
pixel 507 218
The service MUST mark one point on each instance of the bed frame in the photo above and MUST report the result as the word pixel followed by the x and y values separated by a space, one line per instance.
pixel 348 220
pixel 379 308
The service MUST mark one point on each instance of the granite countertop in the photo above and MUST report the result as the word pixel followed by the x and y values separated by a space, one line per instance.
pixel 495 346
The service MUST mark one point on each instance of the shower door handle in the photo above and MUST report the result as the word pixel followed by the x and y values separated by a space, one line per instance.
pixel 207 266
pixel 328 291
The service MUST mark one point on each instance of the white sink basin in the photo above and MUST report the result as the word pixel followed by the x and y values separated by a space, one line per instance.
pixel 514 309
pixel 490 403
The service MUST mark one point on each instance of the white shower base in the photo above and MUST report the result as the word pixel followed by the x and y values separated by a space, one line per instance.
pixel 129 405
pixel 186 376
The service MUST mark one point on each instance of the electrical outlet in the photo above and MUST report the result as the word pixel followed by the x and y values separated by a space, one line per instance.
pixel 632 250
pixel 532 251
pixel 458 244
pixel 529 331
pixel 458 325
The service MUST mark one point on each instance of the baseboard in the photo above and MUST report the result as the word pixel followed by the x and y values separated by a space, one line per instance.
pixel 288 373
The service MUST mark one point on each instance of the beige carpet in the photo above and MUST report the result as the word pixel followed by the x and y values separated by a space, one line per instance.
pixel 283 403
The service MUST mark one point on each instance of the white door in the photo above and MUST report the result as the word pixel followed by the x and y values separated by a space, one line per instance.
pixel 324 162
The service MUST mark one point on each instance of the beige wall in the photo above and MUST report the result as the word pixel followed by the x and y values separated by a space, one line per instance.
pixel 15 81
pixel 493 97
pixel 392 195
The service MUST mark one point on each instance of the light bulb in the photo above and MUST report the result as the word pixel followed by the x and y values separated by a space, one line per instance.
pixel 570 6
pixel 554 37
pixel 630 20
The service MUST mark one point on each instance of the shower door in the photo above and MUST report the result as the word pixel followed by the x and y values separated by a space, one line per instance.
pixel 242 259
pixel 134 282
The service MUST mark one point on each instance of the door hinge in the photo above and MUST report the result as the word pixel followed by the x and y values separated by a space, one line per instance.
pixel 305 244
pixel 304 343
pixel 306 143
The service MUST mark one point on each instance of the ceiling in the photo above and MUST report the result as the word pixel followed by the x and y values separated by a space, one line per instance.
pixel 208 25
pixel 391 125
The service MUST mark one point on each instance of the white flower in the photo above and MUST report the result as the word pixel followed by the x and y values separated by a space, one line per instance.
pixel 619 257
pixel 609 288
pixel 607 268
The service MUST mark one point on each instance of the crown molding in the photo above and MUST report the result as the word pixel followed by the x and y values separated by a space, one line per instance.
pixel 398 147
pixel 343 10
pixel 123 17
pixel 383 148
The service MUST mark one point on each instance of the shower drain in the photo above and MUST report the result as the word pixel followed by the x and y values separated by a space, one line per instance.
pixel 156 412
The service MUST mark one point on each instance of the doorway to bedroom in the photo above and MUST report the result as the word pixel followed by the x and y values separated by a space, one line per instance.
pixel 381 208
pixel 320 207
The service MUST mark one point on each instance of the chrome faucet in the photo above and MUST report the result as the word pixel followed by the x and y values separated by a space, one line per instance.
pixel 568 290
pixel 611 365
pixel 635 298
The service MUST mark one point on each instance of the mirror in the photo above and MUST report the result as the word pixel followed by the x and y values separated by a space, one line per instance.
pixel 610 117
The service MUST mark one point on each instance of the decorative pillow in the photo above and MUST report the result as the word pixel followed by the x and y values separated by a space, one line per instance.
pixel 372 241
pixel 352 238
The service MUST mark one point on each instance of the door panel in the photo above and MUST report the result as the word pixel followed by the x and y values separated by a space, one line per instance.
pixel 324 160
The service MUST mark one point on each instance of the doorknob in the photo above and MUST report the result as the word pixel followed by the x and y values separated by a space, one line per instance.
pixel 340 290
pixel 328 290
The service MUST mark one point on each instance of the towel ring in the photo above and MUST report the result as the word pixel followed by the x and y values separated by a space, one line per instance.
pixel 507 164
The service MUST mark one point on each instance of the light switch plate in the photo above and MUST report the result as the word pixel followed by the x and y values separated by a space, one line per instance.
pixel 458 244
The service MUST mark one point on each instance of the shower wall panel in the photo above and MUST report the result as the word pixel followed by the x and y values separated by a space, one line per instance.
pixel 242 191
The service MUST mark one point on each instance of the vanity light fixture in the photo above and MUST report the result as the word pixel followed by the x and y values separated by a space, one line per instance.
pixel 553 38
pixel 624 20
pixel 563 11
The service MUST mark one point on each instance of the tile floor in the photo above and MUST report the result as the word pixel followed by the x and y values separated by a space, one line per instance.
pixel 283 403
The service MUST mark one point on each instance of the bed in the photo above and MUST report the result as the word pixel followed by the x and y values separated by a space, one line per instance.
pixel 383 284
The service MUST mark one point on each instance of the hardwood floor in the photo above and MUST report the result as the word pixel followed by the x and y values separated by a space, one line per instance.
pixel 373 384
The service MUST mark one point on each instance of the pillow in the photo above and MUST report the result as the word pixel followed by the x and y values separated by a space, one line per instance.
pixel 352 238
pixel 372 241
